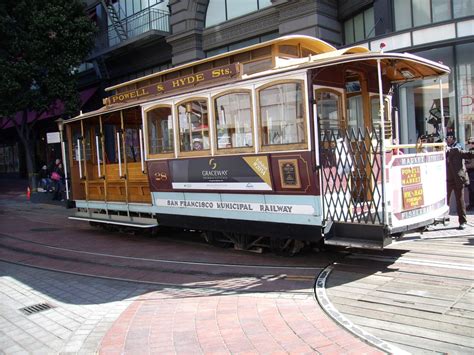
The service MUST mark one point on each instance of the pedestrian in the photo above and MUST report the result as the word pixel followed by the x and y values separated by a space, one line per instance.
pixel 58 177
pixel 456 175
pixel 45 180
pixel 470 172
pixel 54 165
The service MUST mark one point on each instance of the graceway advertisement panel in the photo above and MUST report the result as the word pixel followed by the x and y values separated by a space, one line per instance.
pixel 250 173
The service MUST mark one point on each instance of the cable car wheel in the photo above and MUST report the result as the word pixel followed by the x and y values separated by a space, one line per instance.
pixel 216 239
pixel 286 246
pixel 246 242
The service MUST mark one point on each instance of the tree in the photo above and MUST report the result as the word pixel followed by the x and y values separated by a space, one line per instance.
pixel 41 42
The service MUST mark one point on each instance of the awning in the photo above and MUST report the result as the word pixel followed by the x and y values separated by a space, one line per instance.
pixel 57 110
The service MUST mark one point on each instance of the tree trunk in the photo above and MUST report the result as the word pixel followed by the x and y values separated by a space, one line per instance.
pixel 31 166
pixel 24 131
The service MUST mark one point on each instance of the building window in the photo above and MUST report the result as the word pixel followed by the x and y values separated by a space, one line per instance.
pixel 193 126
pixel 160 131
pixel 360 27
pixel 414 13
pixel 402 11
pixel 219 11
pixel 282 114
pixel 465 96
pixel 421 12
pixel 234 120
pixel 463 8
pixel 9 160
pixel 441 10
pixel 241 44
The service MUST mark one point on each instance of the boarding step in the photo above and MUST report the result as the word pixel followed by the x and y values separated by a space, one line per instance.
pixel 354 235
pixel 138 222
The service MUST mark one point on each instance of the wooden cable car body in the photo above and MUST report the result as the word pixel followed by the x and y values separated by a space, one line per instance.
pixel 282 143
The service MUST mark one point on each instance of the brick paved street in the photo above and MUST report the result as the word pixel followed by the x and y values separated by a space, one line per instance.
pixel 230 313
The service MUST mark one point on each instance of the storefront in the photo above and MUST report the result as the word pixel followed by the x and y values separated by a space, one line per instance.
pixel 46 149
pixel 420 101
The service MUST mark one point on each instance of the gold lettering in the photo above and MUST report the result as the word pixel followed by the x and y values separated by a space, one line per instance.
pixel 161 176
pixel 133 94
pixel 216 73
pixel 199 77
pixel 176 83
pixel 160 88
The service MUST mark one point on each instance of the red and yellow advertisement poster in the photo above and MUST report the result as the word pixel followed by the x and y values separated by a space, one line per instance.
pixel 411 175
pixel 412 196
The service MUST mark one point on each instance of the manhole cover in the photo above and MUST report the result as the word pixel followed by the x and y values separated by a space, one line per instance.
pixel 36 308
pixel 45 229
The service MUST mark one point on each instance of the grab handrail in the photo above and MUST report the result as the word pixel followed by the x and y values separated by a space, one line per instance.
pixel 98 160
pixel 141 150
pixel 119 154
pixel 79 157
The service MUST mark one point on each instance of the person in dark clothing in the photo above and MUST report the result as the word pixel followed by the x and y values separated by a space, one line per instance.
pixel 456 175
pixel 58 177
pixel 470 172
pixel 45 180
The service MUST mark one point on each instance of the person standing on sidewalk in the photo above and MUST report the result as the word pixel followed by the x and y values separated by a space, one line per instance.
pixel 456 175
pixel 58 177
pixel 470 173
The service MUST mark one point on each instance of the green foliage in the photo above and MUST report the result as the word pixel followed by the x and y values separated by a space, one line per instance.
pixel 40 44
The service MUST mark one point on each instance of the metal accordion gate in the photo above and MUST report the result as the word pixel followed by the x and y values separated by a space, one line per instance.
pixel 352 193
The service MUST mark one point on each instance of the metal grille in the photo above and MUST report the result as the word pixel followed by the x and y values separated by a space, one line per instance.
pixel 351 169
pixel 36 308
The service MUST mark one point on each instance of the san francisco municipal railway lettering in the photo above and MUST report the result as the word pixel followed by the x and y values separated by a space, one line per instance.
pixel 238 206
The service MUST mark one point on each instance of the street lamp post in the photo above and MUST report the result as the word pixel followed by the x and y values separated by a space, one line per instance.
pixel 60 123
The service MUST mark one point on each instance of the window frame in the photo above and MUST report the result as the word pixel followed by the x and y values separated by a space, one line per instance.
pixel 286 146
pixel 193 153
pixel 226 151
pixel 340 105
pixel 146 132
pixel 351 22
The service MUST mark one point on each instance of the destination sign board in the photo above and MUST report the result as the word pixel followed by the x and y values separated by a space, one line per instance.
pixel 229 71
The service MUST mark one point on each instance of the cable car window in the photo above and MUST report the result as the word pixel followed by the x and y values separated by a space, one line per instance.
pixel 328 105
pixel 160 130
pixel 234 121
pixel 282 114
pixel 193 126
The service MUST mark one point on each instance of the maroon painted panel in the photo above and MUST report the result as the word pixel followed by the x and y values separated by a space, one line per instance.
pixel 159 175
pixel 288 167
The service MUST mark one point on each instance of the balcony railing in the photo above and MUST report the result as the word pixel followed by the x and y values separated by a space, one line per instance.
pixel 135 25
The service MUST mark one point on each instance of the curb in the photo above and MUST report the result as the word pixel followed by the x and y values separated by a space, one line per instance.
pixel 331 311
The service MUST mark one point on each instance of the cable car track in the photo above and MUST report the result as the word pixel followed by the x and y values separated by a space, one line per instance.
pixel 167 261
pixel 160 271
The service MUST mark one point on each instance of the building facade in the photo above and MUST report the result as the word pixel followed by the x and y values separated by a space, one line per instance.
pixel 140 37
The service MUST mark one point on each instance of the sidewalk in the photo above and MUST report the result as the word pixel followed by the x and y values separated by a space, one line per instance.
pixel 17 188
